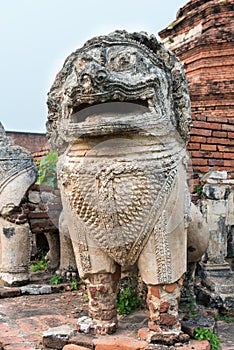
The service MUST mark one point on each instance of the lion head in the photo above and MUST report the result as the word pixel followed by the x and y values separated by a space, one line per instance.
pixel 120 67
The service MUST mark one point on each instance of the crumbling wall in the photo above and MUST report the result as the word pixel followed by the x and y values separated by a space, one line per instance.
pixel 43 208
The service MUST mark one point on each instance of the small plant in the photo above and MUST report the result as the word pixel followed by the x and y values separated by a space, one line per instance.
pixel 127 301
pixel 47 170
pixel 207 334
pixel 198 189
pixel 192 307
pixel 39 266
pixel 86 298
pixel 56 280
pixel 74 285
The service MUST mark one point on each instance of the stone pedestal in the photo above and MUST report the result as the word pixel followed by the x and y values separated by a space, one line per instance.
pixel 15 253
pixel 218 209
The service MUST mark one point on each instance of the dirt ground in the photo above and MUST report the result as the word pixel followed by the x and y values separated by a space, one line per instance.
pixel 24 318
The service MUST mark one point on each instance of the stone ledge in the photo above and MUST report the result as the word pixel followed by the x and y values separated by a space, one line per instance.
pixel 10 292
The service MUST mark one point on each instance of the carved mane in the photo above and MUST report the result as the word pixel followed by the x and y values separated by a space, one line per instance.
pixel 151 48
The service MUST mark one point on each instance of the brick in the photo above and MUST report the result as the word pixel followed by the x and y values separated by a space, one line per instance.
pixel 219 134
pixel 31 324
pixel 198 154
pixel 9 292
pixel 198 117
pixel 202 132
pixel 228 155
pixel 6 330
pixel 216 162
pixel 228 163
pixel 199 139
pixel 53 320
pixel 154 290
pixel 222 148
pixel 46 188
pixel 201 169
pixel 169 288
pixel 74 347
pixel 34 215
pixel 143 333
pixel 215 155
pixel 225 168
pixel 35 188
pixel 228 127
pixel 18 346
pixel 164 306
pixel 55 207
pixel 231 135
pixel 199 161
pixel 216 119
pixel 54 343
pixel 85 340
pixel 119 343
pixel 204 125
pixel 207 147
pixel 222 141
pixel 35 224
pixel 192 146
pixel 167 319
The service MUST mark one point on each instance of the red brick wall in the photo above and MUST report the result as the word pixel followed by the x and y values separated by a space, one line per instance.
pixel 208 56
pixel 34 142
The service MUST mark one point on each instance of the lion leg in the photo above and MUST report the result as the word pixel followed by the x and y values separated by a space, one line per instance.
pixel 67 267
pixel 102 293
pixel 163 304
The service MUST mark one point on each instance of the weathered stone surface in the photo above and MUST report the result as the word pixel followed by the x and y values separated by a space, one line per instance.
pixel 17 174
pixel 57 337
pixel 36 289
pixel 189 325
pixel 119 116
pixel 218 210
pixel 198 235
pixel 83 340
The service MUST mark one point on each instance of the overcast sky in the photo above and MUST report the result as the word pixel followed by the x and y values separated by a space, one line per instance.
pixel 37 35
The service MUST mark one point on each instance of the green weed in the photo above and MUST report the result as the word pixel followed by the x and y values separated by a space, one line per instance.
pixel 207 334
pixel 47 170
pixel 39 266
pixel 74 285
pixel 56 280
pixel 127 301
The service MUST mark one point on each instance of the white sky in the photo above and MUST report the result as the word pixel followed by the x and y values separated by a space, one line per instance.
pixel 37 35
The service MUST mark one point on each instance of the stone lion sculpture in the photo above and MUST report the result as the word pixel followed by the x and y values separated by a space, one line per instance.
pixel 17 173
pixel 119 116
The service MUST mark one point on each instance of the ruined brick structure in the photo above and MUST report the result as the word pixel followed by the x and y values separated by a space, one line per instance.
pixel 202 37
pixel 43 203
pixel 43 208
